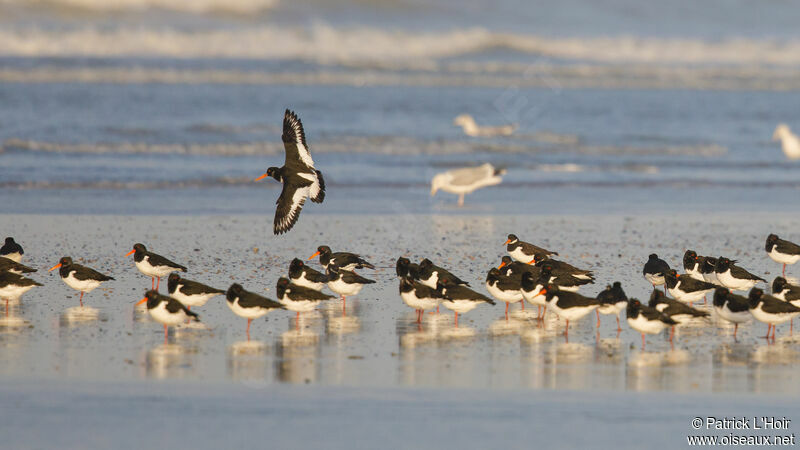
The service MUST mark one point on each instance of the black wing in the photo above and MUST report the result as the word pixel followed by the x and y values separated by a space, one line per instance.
pixel 315 276
pixel 321 195
pixel 294 142
pixel 290 203
pixel 352 277
pixel 251 300
pixel 742 274
pixel 449 277
pixel 296 292
pixel 194 288
pixel 465 293
pixel 87 273
pixel 9 264
pixel 788 248
pixel 158 260
pixel 174 306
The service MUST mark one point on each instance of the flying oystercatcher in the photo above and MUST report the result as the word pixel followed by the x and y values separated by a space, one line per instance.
pixel 78 277
pixel 299 177
pixel 504 288
pixel 419 296
pixel 343 260
pixel 734 277
pixel 612 301
pixel 12 286
pixel 568 305
pixel 645 319
pixel 461 299
pixel 731 307
pixel 302 275
pixel 654 270
pixel 345 282
pixel 523 251
pixel 190 293
pixel 405 268
pixel 12 250
pixel 675 310
pixel 249 305
pixel 298 298
pixel 770 310
pixel 166 310
pixel 153 265
pixel 782 251
pixel 9 265
pixel 685 288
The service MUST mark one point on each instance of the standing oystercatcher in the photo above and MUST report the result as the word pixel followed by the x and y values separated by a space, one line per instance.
pixel 612 301
pixel 675 310
pixel 78 277
pixel 419 296
pixel 645 319
pixel 461 299
pixel 345 282
pixel 517 269
pixel 707 270
pixel 405 268
pixel 190 293
pixel 523 251
pixel 504 288
pixel 561 268
pixel 654 270
pixel 787 292
pixel 782 251
pixel 429 274
pixel 298 298
pixel 166 310
pixel 531 287
pixel 9 265
pixel 299 177
pixel 686 289
pixel 153 265
pixel 770 310
pixel 734 277
pixel 693 264
pixel 302 275
pixel 568 305
pixel 344 260
pixel 249 304
pixel 731 307
pixel 12 250
pixel 12 286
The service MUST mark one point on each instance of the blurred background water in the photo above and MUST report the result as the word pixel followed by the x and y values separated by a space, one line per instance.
pixel 628 106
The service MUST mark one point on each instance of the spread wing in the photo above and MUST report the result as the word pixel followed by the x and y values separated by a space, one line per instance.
pixel 293 197
pixel 318 189
pixel 294 142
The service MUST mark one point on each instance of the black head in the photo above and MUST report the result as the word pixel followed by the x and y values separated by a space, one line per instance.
pixel 10 241
pixel 403 267
pixel 778 284
pixel 66 261
pixel 512 239
pixel 771 239
pixel 425 264
pixel 754 297
pixel 275 172
pixel 295 267
pixel 283 283
pixel 153 299
pixel 527 281
pixel 656 297
pixel 547 270
pixel 234 291
pixel 406 284
pixel 172 282
pixel 634 306
pixel 139 248
pixel 690 258
pixel 617 285
pixel 324 250
pixel 653 257
pixel 505 261
pixel 672 273
pixel 720 295
pixel 723 264
pixel 494 274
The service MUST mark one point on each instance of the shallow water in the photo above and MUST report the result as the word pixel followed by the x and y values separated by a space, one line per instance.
pixel 375 341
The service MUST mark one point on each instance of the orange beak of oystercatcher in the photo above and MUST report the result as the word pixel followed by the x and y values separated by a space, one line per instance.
pixel 313 256
pixel 55 267
pixel 502 264
pixel 542 292
pixel 141 301
pixel 261 177
pixel 507 241
pixel 130 252
pixel 533 261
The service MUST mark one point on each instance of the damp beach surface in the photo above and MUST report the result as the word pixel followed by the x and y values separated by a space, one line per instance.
pixel 512 377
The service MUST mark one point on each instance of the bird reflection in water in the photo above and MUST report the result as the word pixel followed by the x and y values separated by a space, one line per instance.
pixel 168 361
pixel 77 315
pixel 247 362
pixel 298 355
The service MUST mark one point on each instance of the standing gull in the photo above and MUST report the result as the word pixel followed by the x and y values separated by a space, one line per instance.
pixel 299 177
pixel 466 180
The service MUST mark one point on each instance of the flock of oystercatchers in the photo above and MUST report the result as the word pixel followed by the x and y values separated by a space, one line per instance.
pixel 528 274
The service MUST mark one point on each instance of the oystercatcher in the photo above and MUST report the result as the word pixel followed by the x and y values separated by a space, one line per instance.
pixel 782 251
pixel 78 277
pixel 12 250
pixel 562 268
pixel 299 177
pixel 568 305
pixel 504 288
pixel 612 301
pixel 707 270
pixel 731 307
pixel 298 298
pixel 190 293
pixel 654 270
pixel 523 251
pixel 461 299
pixel 343 260
pixel 166 310
pixel 419 296
pixel 645 319
pixel 249 304
pixel 693 264
pixel 770 310
pixel 517 269
pixel 466 180
pixel 302 275
pixel 564 281
pixel 9 265
pixel 345 282
pixel 781 289
pixel 430 274
pixel 685 288
pixel 734 277
pixel 153 265
pixel 675 310
pixel 405 268
pixel 12 286
pixel 531 287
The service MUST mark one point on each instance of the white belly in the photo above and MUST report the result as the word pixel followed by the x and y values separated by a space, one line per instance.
pixel 781 258
pixel 299 305
pixel 460 306
pixel 711 278
pixel 431 282
pixel 161 315
pixel 504 296
pixel 16 257
pixel 192 300
pixel 734 283
pixel 575 313
pixel 730 316
pixel 342 288
pixel 773 319
pixel 687 297
pixel 656 280
pixel 614 308
pixel 14 292
pixel 247 313
pixel 151 271
pixel 532 298
pixel 695 274
pixel 520 256
pixel 80 285
pixel 643 325
pixel 419 303
pixel 303 281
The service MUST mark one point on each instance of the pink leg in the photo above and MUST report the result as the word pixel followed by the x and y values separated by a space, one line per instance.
pixel 158 283
pixel 671 333
pixel 735 330
pixel 523 304
pixel 619 328
pixel 768 329
pixel 165 335
pixel 152 283
pixel 598 318
pixel 248 328
pixel 437 309
pixel 506 311
pixel 456 319
pixel 566 330
pixel 642 341
pixel 80 299
pixel 784 270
